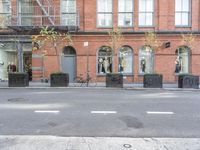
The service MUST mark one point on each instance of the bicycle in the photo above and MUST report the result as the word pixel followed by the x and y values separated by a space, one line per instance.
pixel 80 81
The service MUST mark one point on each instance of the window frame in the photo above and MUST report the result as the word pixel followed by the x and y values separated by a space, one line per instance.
pixel 24 15
pixel 183 12
pixel 146 12
pixel 153 60
pixel 189 59
pixel 132 63
pixel 97 25
pixel 67 13
pixel 126 12
pixel 6 15
pixel 97 60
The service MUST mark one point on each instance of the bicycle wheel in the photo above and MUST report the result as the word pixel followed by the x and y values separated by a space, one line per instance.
pixel 77 82
pixel 92 82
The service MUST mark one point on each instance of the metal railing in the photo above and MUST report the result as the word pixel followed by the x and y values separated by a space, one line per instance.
pixel 35 16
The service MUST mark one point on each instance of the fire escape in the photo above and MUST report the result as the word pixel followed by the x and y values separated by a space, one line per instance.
pixel 42 13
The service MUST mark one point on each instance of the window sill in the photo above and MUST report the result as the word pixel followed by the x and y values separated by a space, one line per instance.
pixel 102 75
pixel 179 26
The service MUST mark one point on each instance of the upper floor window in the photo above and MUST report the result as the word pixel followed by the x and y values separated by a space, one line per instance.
pixel 5 12
pixel 25 12
pixel 125 13
pixel 146 11
pixel 104 13
pixel 182 13
pixel 68 10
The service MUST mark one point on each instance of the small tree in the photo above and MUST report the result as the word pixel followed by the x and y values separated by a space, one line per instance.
pixel 151 40
pixel 48 37
pixel 115 38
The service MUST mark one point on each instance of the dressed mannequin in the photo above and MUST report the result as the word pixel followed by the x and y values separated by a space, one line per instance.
pixel 100 65
pixel 123 63
pixel 143 65
pixel 177 67
pixel 106 65
pixel 181 64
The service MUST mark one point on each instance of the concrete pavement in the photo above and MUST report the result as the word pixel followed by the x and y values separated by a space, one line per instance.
pixel 96 143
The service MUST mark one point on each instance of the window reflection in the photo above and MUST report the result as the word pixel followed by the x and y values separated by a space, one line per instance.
pixel 146 60
pixel 105 60
pixel 125 60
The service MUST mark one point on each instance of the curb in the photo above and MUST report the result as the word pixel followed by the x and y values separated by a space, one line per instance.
pixel 106 88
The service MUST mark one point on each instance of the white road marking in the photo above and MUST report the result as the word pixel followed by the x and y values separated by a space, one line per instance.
pixel 160 112
pixel 47 111
pixel 103 112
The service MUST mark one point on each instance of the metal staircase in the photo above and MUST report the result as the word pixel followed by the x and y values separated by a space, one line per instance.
pixel 47 3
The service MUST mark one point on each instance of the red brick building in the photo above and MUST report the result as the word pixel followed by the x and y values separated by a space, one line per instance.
pixel 89 21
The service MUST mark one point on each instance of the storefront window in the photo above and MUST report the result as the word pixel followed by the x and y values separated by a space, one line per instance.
pixel 146 60
pixel 105 60
pixel 9 58
pixel 182 60
pixel 125 60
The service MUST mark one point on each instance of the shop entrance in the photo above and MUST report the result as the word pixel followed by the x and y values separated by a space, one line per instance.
pixel 27 64
pixel 68 62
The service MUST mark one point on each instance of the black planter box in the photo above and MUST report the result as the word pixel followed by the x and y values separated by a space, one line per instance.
pixel 114 80
pixel 153 81
pixel 18 79
pixel 59 80
pixel 188 81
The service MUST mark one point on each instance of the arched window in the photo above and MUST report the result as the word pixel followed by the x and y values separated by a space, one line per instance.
pixel 68 50
pixel 104 60
pixel 182 60
pixel 125 59
pixel 146 60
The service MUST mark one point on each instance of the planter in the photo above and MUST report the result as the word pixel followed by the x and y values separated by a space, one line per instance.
pixel 59 80
pixel 18 79
pixel 114 80
pixel 188 81
pixel 153 81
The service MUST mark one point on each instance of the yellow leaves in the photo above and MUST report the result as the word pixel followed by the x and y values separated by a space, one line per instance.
pixel 151 39
pixel 116 38
pixel 188 40
pixel 68 39
pixel 47 37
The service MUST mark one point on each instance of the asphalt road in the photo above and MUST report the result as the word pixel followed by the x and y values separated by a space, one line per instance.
pixel 100 112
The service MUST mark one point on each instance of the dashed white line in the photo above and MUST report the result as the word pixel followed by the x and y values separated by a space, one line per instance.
pixel 47 111
pixel 160 112
pixel 103 112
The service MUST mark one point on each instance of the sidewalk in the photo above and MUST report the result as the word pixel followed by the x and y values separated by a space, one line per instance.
pixel 96 143
pixel 101 85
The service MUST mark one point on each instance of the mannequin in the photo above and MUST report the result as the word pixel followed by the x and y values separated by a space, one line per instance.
pixel 177 67
pixel 106 65
pixel 100 65
pixel 123 63
pixel 143 65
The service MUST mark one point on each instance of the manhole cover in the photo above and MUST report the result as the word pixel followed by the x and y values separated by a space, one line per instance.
pixel 17 100
pixel 127 146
